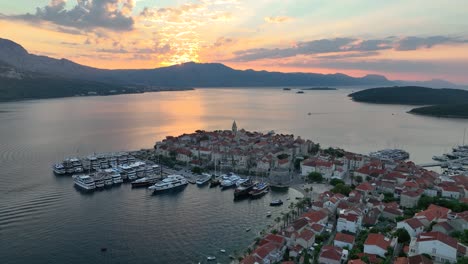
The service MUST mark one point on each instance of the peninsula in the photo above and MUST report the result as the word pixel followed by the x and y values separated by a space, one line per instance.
pixel 453 111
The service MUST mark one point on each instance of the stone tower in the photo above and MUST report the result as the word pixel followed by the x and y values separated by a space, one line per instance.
pixel 234 127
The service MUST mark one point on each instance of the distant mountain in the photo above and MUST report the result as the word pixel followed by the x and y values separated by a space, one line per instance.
pixel 16 84
pixel 20 69
pixel 185 75
pixel 411 95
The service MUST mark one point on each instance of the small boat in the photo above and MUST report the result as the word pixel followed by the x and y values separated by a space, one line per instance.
pixel 300 92
pixel 247 229
pixel 210 258
pixel 309 113
pixel 287 89
pixel 222 251
pixel 268 214
pixel 214 182
pixel 191 181
pixel 276 202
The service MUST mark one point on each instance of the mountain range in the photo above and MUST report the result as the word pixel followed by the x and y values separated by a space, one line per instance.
pixel 17 65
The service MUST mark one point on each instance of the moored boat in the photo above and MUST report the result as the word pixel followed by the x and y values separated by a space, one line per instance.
pixel 171 182
pixel 144 182
pixel 59 169
pixel 259 190
pixel 204 179
pixel 243 190
pixel 84 182
pixel 214 182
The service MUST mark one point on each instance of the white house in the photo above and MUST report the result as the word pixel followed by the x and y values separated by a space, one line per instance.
pixel 450 192
pixel 413 226
pixel 349 222
pixel 377 244
pixel 441 247
pixel 306 238
pixel 343 240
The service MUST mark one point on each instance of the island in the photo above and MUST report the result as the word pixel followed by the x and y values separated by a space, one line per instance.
pixel 454 111
pixel 319 89
pixel 437 102
pixel 411 95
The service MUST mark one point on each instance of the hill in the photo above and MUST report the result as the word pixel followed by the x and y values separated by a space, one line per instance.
pixel 411 95
pixel 455 111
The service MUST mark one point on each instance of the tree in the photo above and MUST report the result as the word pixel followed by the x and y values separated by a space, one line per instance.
pixel 358 179
pixel 286 254
pixel 334 182
pixel 315 177
pixel 341 188
pixel 403 236
pixel 197 170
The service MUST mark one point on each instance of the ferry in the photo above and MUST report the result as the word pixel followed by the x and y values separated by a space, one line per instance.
pixel 85 182
pixel 204 179
pixel 171 182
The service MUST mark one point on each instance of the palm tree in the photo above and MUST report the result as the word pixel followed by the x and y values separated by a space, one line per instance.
pixel 291 206
pixel 277 220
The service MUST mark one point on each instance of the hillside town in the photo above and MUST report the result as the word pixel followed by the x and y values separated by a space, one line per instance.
pixel 374 211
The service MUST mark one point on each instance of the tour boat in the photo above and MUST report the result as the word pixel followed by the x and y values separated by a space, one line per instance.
pixel 84 181
pixel 171 182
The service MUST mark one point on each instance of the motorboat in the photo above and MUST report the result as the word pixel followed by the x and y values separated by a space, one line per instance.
pixel 85 182
pixel 276 202
pixel 242 180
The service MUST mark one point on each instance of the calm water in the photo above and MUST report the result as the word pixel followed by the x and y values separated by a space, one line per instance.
pixel 43 219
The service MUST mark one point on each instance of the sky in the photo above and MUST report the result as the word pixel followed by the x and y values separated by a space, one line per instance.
pixel 401 39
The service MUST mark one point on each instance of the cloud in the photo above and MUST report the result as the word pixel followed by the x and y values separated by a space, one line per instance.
pixel 413 43
pixel 344 45
pixel 86 14
pixel 223 41
pixel 276 19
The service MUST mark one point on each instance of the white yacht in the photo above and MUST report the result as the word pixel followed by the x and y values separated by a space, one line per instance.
pixel 230 181
pixel 171 182
pixel 84 181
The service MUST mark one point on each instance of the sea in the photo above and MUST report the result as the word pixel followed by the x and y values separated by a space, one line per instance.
pixel 44 219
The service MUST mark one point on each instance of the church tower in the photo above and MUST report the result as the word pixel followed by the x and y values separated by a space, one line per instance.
pixel 234 127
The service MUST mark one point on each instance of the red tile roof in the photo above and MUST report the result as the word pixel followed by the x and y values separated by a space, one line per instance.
pixel 331 252
pixel 275 239
pixel 377 240
pixel 414 223
pixel 307 235
pixel 315 216
pixel 356 261
pixel 365 186
pixel 344 238
pixel 419 259
pixel 264 250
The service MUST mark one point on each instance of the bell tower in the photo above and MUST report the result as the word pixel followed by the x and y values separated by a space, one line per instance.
pixel 234 127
